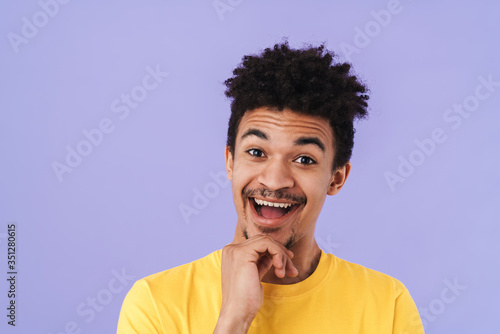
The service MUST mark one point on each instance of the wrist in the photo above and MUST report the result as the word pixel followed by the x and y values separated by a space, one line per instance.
pixel 231 324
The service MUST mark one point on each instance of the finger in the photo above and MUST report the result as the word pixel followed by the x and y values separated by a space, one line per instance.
pixel 265 264
pixel 280 270
pixel 291 270
pixel 278 258
pixel 276 251
pixel 264 243
pixel 279 254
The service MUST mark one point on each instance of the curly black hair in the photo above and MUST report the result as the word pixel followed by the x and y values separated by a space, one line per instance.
pixel 304 81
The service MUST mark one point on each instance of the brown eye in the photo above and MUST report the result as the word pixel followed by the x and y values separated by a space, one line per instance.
pixel 255 153
pixel 305 160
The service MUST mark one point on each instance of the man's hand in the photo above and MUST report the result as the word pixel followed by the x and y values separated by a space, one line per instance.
pixel 243 267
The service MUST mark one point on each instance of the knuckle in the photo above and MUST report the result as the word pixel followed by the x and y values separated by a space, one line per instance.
pixel 227 250
pixel 265 237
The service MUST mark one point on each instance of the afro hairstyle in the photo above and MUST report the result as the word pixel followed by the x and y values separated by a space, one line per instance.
pixel 306 81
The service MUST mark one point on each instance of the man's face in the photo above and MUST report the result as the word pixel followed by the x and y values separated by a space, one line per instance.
pixel 281 173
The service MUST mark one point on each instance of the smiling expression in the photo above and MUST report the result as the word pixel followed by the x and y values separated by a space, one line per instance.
pixel 281 172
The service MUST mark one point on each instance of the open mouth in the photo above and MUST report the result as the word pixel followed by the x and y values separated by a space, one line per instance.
pixel 272 210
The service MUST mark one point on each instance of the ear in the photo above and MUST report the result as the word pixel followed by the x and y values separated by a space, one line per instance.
pixel 338 179
pixel 229 163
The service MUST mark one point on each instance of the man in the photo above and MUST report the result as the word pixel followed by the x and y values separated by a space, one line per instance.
pixel 289 142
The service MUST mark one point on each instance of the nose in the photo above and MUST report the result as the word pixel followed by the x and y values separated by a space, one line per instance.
pixel 276 174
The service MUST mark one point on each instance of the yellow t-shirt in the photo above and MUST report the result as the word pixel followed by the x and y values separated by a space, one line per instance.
pixel 339 297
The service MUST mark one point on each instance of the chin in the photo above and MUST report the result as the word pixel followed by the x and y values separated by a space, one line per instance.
pixel 285 237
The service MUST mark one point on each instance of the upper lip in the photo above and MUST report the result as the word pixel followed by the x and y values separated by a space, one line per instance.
pixel 275 200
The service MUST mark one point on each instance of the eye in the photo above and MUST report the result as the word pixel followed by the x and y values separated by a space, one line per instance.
pixel 255 153
pixel 305 160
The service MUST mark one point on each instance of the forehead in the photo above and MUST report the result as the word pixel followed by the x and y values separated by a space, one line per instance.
pixel 286 122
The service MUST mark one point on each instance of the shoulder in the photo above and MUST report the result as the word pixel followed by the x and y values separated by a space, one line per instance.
pixel 360 276
pixel 177 279
pixel 372 289
pixel 154 297
pixel 209 265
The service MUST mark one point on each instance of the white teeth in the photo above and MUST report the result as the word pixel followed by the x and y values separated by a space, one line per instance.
pixel 277 205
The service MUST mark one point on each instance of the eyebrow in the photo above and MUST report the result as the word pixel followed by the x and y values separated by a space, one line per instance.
pixel 298 142
pixel 254 132
pixel 310 140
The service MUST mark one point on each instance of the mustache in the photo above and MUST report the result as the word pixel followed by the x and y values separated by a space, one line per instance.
pixel 274 194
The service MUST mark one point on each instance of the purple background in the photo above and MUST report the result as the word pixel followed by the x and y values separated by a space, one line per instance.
pixel 120 208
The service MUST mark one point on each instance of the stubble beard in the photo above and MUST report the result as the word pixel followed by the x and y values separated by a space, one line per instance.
pixel 291 241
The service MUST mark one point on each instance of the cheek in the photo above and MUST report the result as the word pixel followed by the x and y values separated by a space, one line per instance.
pixel 242 177
pixel 316 191
pixel 316 200
pixel 243 174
